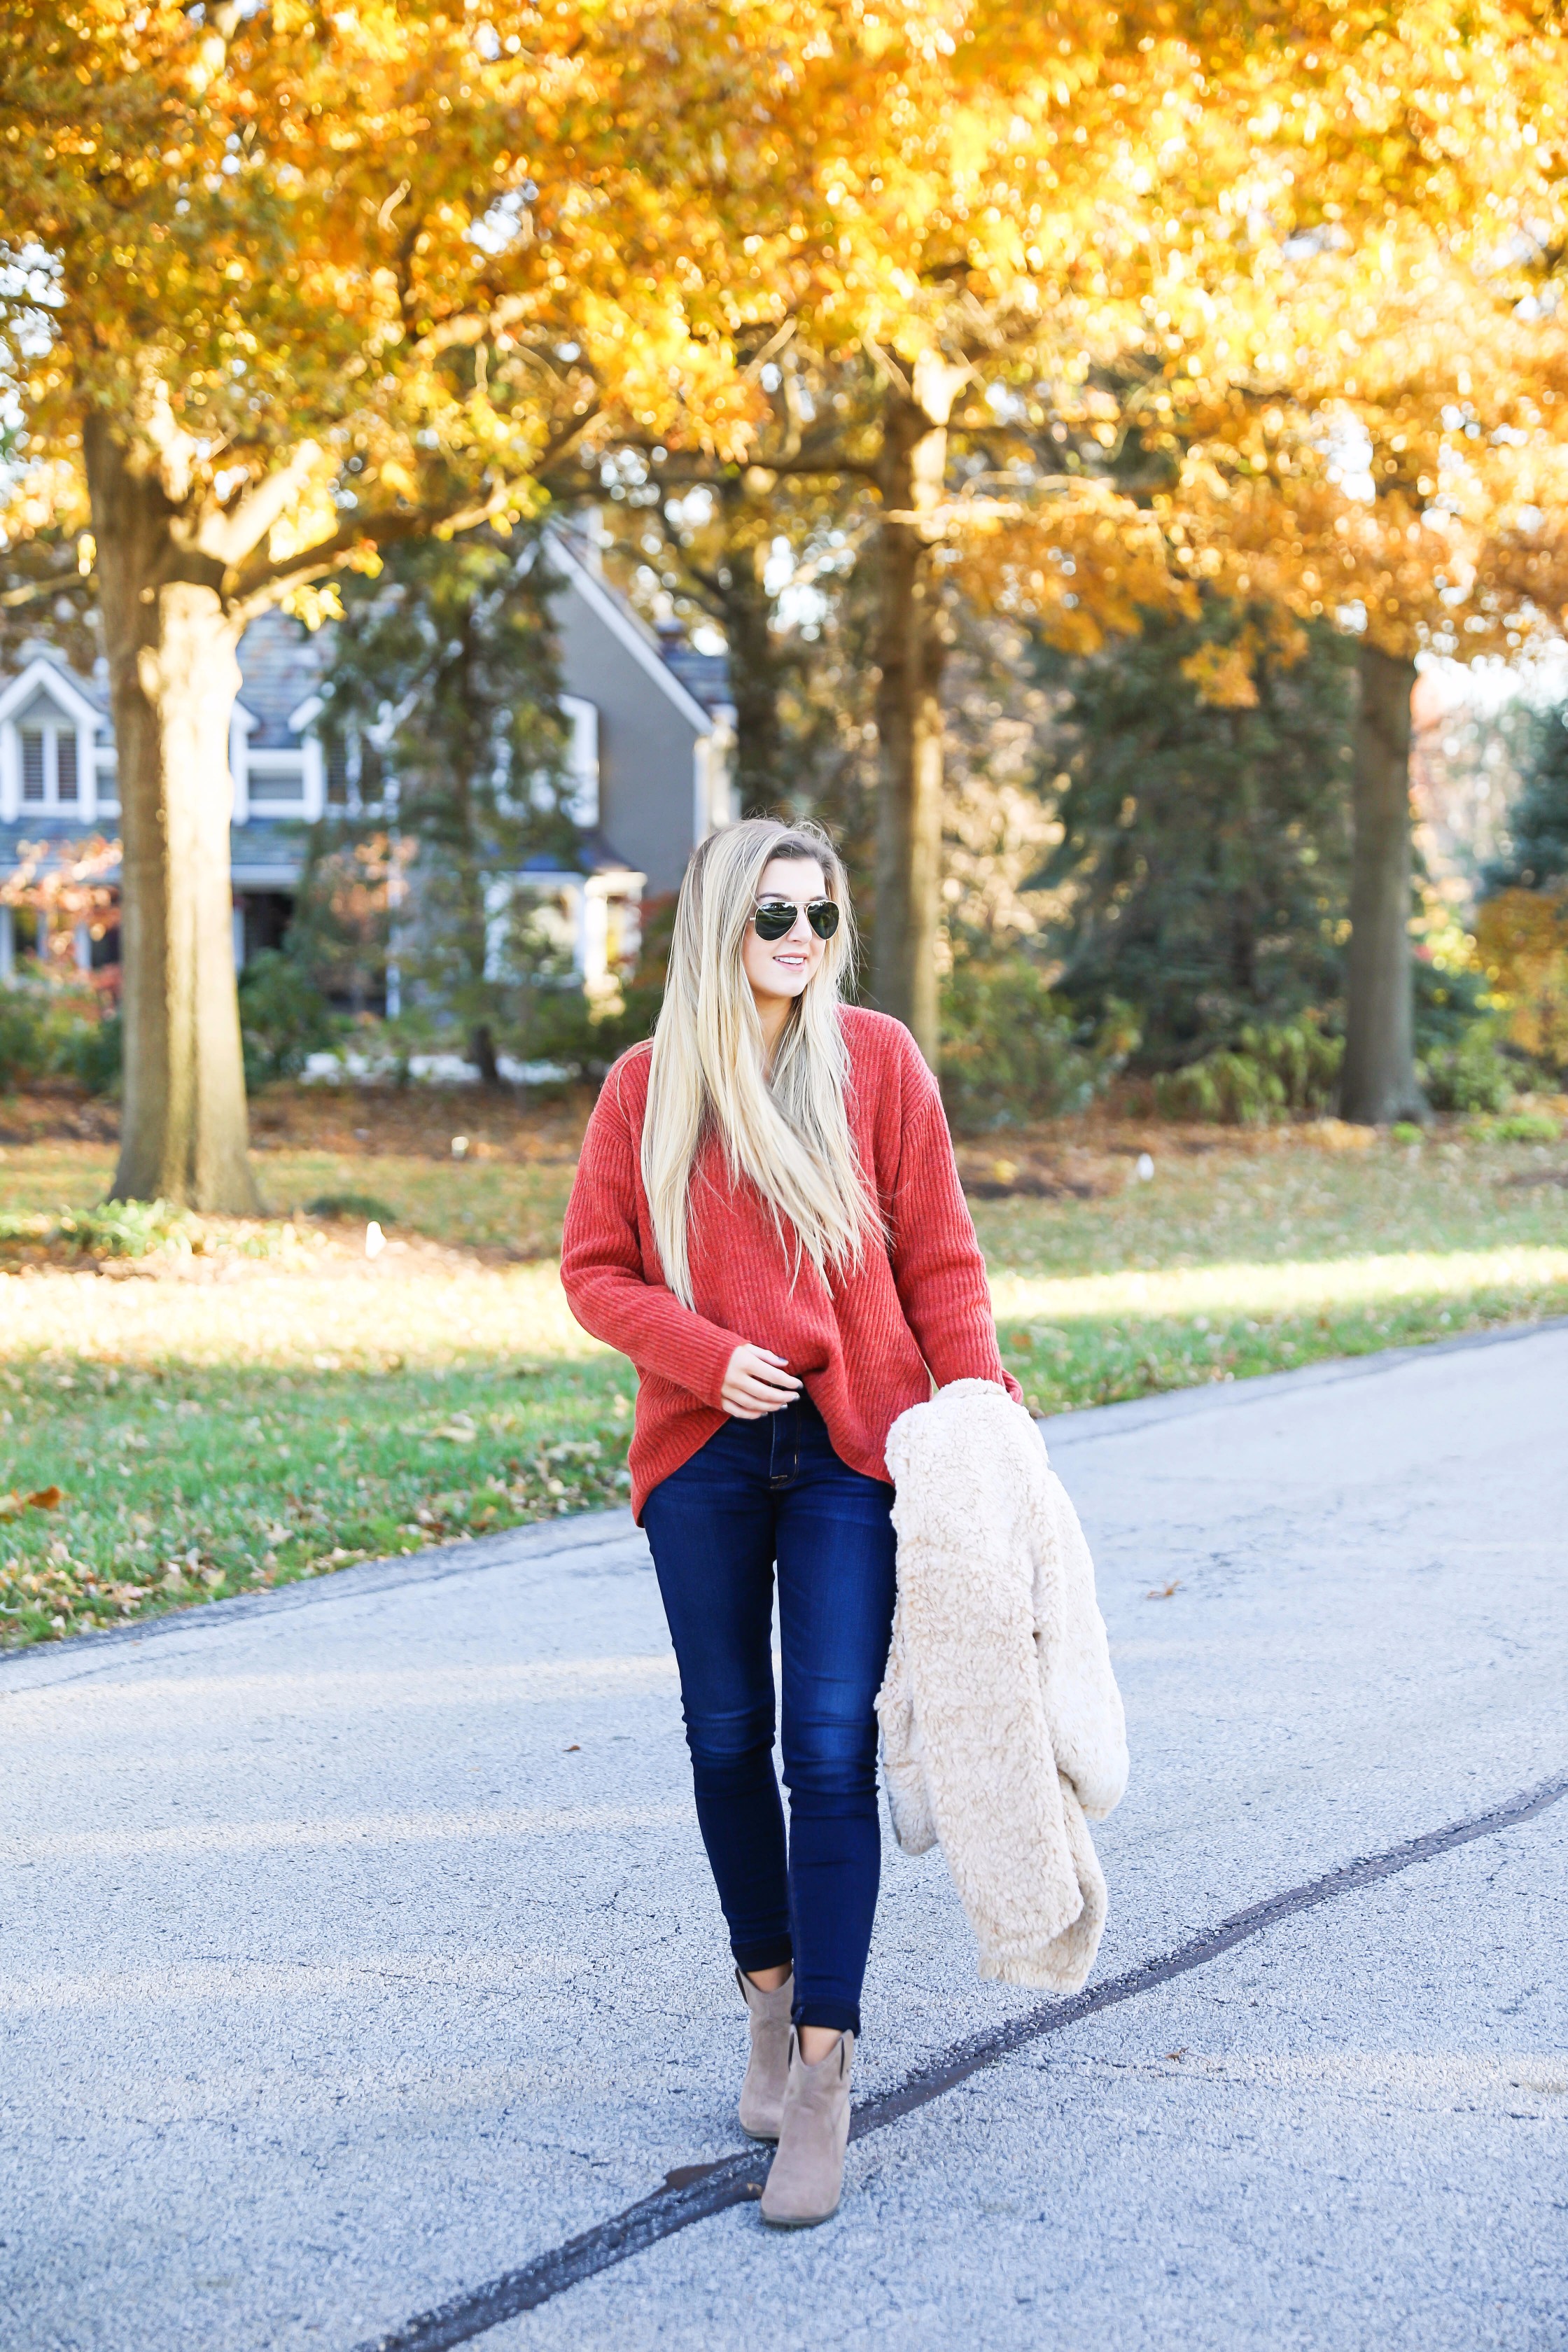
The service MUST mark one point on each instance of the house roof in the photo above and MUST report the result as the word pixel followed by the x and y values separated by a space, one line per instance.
pixel 281 661
pixel 705 677
pixel 39 663
pixel 281 665
pixel 59 839
pixel 593 855
pixel 573 557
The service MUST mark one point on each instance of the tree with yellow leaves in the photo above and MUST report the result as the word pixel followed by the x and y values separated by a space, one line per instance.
pixel 293 281
pixel 1358 408
pixel 286 284
pixel 1031 241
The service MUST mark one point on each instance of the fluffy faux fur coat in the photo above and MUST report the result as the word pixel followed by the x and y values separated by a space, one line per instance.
pixel 1001 1722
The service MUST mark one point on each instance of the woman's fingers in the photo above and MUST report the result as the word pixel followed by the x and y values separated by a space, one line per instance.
pixel 757 1381
pixel 753 1393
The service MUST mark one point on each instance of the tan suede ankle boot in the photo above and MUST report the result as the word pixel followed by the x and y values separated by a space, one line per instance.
pixel 767 2070
pixel 805 2179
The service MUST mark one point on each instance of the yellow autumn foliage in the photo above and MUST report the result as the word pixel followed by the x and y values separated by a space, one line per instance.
pixel 1522 938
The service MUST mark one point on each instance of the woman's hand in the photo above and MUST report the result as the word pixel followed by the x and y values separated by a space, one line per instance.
pixel 756 1382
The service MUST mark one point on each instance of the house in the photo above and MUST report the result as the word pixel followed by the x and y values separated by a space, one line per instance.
pixel 650 761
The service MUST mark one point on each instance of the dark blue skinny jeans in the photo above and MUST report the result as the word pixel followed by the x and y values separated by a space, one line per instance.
pixel 762 1493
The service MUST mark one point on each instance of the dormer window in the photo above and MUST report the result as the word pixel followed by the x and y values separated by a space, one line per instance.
pixel 48 750
pixel 50 776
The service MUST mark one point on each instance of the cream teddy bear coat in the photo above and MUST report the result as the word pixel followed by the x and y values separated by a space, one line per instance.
pixel 1002 1725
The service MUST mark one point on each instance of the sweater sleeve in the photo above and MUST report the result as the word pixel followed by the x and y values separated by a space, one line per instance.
pixel 937 1265
pixel 602 1268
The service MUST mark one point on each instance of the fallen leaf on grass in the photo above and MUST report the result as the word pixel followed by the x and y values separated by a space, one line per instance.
pixel 46 1498
pixel 1163 1592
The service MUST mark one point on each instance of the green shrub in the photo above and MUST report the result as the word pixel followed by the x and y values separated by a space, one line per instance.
pixel 283 1018
pixel 1473 1074
pixel 359 1206
pixel 1271 1072
pixel 127 1228
pixel 23 1049
pixel 33 1023
pixel 51 1026
pixel 1011 1052
pixel 1522 1127
pixel 93 1053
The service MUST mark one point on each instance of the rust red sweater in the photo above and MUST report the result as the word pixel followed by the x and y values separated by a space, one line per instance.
pixel 867 1346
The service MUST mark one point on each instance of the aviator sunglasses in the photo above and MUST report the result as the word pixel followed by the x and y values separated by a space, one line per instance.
pixel 775 918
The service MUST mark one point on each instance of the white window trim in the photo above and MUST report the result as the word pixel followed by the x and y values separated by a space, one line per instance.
pixel 304 760
pixel 712 775
pixel 588 898
pixel 582 759
pixel 72 714
pixel 241 727
pixel 105 780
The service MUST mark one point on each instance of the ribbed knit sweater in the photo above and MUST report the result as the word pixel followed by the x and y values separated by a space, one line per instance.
pixel 868 1345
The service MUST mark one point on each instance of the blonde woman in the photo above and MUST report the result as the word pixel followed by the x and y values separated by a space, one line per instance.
pixel 767 1220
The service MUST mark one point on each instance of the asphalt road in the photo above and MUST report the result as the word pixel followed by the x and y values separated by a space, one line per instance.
pixel 356 1947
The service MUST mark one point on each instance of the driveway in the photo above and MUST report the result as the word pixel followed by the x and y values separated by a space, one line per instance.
pixel 361 1982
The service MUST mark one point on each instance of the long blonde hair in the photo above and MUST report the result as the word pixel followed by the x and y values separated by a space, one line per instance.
pixel 789 1133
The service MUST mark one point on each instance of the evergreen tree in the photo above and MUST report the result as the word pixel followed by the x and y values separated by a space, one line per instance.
pixel 1537 853
pixel 1205 856
pixel 444 732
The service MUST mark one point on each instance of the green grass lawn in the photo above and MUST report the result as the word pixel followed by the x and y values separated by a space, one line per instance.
pixel 186 1482
pixel 235 1421
pixel 479 1204
pixel 1232 1262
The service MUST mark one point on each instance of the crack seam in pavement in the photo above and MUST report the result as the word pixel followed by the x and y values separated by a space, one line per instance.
pixel 694 2192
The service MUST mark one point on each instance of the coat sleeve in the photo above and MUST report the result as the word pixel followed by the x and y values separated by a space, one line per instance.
pixel 937 1266
pixel 1083 1705
pixel 603 1272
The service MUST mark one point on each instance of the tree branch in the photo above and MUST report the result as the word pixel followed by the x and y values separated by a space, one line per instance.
pixel 259 585
pixel 887 367
pixel 228 536
pixel 262 585
pixel 54 583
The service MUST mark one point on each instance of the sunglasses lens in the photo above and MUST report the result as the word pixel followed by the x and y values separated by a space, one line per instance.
pixel 775 918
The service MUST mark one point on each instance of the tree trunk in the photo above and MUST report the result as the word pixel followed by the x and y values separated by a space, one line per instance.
pixel 911 648
pixel 173 676
pixel 483 1049
pixel 759 779
pixel 1378 1081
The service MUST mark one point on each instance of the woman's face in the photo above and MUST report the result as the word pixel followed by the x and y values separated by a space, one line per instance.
pixel 783 967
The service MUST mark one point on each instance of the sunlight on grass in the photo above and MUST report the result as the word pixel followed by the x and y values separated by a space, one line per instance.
pixel 243 1424
pixel 1311 1286
pixel 345 1317
pixel 278 1406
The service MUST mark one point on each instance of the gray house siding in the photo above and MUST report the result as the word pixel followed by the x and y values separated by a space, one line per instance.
pixel 663 773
